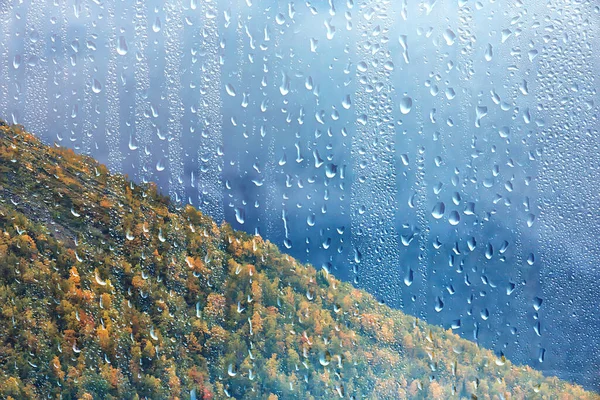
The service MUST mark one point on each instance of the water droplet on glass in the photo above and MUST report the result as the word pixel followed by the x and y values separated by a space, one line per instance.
pixel 347 102
pixel 96 86
pixel 480 112
pixel 230 370
pixel 454 218
pixel 408 278
pixel 122 46
pixel 406 105
pixel 240 215
pixel 284 89
pixel 485 314
pixel 325 358
pixel 541 355
pixel 530 259
pixel 156 26
pixel 532 54
pixel 439 304
pixel 489 53
pixel 449 37
pixel 230 90
pixel 330 29
pixel 489 251
pixel 438 210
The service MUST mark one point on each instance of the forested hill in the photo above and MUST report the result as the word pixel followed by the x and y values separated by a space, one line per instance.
pixel 109 291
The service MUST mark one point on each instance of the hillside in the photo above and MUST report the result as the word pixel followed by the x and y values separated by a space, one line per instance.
pixel 109 291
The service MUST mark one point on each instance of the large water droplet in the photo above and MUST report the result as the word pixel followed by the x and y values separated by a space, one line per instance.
pixel 240 215
pixel 122 46
pixel 325 358
pixel 449 37
pixel 438 210
pixel 96 86
pixel 284 89
pixel 406 105
pixel 489 53
pixel 409 277
pixel 454 218
pixel 439 304
pixel 230 89
pixel 156 26
pixel 347 102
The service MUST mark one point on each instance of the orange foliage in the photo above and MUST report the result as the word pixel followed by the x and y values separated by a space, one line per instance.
pixel 215 305
pixel 57 368
pixel 103 337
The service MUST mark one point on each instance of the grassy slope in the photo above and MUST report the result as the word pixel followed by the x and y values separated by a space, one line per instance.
pixel 108 291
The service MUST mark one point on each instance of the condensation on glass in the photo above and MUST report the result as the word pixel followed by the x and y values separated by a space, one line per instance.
pixel 441 154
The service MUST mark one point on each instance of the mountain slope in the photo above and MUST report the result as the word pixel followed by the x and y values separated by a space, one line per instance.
pixel 107 290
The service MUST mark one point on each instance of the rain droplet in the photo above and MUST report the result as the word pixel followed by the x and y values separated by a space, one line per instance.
pixel 239 215
pixel 530 220
pixel 230 370
pixel 330 170
pixel 523 87
pixel 470 208
pixel 330 29
pixel 538 328
pixel 16 61
pixel 325 358
pixel 530 259
pixel 156 26
pixel 439 304
pixel 449 37
pixel 404 159
pixel 408 278
pixel 454 218
pixel 532 54
pixel 347 102
pixel 485 314
pixel 489 251
pixel 438 210
pixel 96 86
pixel 489 53
pixel 122 46
pixel 230 89
pixel 406 105
pixel 471 243
pixel 284 89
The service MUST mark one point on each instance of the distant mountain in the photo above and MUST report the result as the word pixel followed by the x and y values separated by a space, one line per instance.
pixel 110 291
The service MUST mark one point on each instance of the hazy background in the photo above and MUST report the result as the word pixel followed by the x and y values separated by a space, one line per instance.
pixel 338 129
